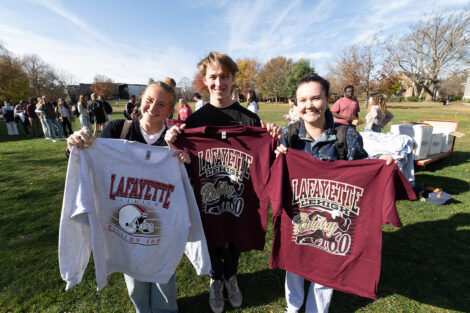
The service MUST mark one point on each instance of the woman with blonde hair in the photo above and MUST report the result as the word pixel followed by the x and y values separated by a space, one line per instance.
pixel 158 102
pixel 378 115
pixel 42 117
pixel 184 110
pixel 64 112
pixel 83 110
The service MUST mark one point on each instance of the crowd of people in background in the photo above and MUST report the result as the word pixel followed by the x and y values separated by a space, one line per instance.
pixel 53 118
pixel 43 117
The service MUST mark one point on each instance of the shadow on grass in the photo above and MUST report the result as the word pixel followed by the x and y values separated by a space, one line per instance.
pixel 457 158
pixel 448 184
pixel 427 262
pixel 259 288
pixel 20 137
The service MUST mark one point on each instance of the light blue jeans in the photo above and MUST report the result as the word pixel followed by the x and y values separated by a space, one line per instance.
pixel 85 122
pixel 51 123
pixel 151 297
pixel 375 128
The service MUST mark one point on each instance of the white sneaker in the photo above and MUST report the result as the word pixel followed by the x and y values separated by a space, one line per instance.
pixel 216 296
pixel 53 140
pixel 63 139
pixel 234 294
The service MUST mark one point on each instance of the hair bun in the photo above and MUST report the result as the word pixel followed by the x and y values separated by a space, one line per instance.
pixel 170 82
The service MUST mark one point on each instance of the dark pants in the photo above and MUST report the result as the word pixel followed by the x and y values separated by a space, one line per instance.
pixel 339 124
pixel 66 123
pixel 25 125
pixel 224 261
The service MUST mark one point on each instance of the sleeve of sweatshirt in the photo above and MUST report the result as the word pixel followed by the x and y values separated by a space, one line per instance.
pixel 74 229
pixel 196 245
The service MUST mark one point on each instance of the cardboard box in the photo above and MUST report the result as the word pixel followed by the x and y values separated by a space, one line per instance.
pixel 421 134
pixel 436 143
pixel 447 138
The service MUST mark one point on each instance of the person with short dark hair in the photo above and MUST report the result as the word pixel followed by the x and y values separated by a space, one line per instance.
pixel 130 107
pixel 346 109
pixel 8 112
pixel 199 102
pixel 20 113
pixel 33 117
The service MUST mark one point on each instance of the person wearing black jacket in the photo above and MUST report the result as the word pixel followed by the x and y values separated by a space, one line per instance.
pixel 107 107
pixel 99 113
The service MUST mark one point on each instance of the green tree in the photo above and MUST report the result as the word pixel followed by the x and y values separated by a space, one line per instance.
pixel 272 78
pixel 300 69
pixel 390 85
pixel 14 84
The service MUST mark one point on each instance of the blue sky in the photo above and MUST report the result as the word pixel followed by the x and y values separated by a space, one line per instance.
pixel 131 41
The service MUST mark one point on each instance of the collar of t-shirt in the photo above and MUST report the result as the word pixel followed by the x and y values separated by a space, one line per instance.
pixel 151 139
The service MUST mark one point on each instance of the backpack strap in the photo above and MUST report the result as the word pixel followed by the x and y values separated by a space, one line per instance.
pixel 125 129
pixel 340 143
pixel 292 133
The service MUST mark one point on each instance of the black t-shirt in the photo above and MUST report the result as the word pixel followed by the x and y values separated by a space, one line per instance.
pixel 210 115
pixel 114 129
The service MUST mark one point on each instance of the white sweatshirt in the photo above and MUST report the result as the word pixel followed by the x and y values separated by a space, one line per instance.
pixel 133 205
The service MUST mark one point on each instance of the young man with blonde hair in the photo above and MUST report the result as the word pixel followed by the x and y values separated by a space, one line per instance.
pixel 218 71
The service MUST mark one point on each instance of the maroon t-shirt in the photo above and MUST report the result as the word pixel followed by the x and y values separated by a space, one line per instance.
pixel 328 218
pixel 230 170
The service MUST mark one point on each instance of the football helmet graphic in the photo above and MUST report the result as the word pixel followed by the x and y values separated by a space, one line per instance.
pixel 133 218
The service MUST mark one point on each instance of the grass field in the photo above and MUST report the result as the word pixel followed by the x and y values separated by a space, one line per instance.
pixel 425 265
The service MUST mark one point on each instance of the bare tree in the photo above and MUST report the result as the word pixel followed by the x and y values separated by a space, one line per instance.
pixel 433 49
pixel 186 88
pixel 359 66
pixel 36 70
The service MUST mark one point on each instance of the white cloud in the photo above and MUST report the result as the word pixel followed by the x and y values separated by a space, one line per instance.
pixel 310 55
pixel 57 7
pixel 265 29
pixel 122 63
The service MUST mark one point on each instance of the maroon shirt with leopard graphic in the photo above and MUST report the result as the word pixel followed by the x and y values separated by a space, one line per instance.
pixel 328 218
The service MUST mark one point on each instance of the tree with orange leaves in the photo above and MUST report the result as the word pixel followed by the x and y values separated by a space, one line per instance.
pixel 104 86
pixel 200 87
pixel 246 77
